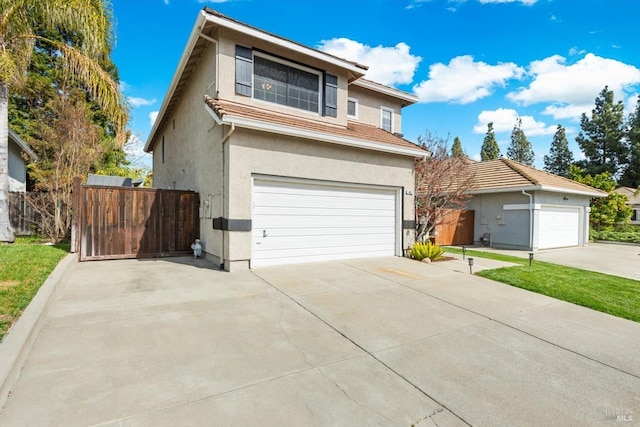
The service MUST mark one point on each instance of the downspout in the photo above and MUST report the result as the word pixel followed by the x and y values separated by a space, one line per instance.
pixel 530 219
pixel 225 138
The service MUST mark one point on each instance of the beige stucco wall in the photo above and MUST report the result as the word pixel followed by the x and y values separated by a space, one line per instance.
pixel 192 150
pixel 369 103
pixel 252 153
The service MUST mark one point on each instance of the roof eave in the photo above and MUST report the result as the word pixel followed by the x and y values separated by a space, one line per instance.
pixel 23 145
pixel 193 38
pixel 221 20
pixel 551 189
pixel 408 98
pixel 246 123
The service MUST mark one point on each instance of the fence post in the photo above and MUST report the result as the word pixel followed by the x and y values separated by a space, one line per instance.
pixel 76 208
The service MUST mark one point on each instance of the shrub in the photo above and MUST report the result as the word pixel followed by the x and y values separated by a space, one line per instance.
pixel 422 250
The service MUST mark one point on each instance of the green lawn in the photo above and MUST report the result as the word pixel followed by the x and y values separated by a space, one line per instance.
pixel 24 266
pixel 618 296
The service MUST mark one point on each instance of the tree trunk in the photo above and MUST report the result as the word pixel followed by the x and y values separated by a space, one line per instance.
pixel 6 234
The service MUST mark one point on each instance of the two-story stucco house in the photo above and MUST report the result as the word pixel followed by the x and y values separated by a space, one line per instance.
pixel 297 158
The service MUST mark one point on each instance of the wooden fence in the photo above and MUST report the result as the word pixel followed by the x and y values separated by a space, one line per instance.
pixel 122 222
pixel 23 217
pixel 456 228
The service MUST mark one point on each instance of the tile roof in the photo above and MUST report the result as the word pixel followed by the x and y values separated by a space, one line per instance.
pixel 632 193
pixel 353 130
pixel 503 174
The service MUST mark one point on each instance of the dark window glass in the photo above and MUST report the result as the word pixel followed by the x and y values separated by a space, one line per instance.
pixel 281 84
pixel 351 108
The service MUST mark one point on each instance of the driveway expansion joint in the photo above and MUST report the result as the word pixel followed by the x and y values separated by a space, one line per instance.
pixel 373 356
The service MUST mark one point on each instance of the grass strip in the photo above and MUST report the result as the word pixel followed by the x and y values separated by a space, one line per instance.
pixel 24 266
pixel 618 296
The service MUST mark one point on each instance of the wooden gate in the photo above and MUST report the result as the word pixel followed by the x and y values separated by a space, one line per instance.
pixel 123 222
pixel 456 228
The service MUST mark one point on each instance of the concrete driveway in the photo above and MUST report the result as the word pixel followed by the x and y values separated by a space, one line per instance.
pixel 365 342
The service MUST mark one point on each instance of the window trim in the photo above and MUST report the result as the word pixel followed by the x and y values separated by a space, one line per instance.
pixel 384 109
pixel 355 101
pixel 297 67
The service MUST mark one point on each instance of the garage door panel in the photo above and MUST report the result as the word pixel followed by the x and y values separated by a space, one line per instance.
pixel 559 227
pixel 304 222
pixel 273 242
pixel 290 256
pixel 318 232
pixel 317 211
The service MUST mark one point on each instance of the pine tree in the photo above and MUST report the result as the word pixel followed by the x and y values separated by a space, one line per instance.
pixel 520 148
pixel 631 176
pixel 560 157
pixel 602 136
pixel 456 148
pixel 489 149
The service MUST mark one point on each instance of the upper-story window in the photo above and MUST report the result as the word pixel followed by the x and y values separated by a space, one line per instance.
pixel 352 108
pixel 386 119
pixel 286 85
pixel 276 80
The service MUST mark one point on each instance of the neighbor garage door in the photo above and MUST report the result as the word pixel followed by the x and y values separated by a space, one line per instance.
pixel 558 227
pixel 298 221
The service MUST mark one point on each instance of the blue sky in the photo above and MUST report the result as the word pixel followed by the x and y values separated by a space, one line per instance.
pixel 469 61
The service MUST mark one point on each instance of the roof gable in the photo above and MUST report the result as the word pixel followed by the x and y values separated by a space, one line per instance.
pixel 13 137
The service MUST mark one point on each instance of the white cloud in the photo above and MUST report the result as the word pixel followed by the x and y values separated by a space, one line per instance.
pixel 571 88
pixel 136 102
pixel 477 157
pixel 576 51
pixel 152 117
pixel 632 103
pixel 504 119
pixel 134 148
pixel 464 80
pixel 387 65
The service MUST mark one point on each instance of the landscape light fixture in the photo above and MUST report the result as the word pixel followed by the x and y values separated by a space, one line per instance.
pixel 530 258
pixel 464 252
pixel 470 265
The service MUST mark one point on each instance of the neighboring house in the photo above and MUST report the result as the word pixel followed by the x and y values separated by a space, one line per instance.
pixel 296 157
pixel 634 202
pixel 112 181
pixel 525 208
pixel 18 151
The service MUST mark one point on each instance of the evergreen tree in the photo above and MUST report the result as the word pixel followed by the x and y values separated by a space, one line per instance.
pixel 631 176
pixel 560 157
pixel 89 22
pixel 602 136
pixel 489 149
pixel 456 148
pixel 520 148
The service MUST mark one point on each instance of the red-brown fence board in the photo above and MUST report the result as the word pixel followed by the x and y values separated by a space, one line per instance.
pixel 122 222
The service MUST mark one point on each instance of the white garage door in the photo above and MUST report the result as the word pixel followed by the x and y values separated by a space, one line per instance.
pixel 559 227
pixel 305 222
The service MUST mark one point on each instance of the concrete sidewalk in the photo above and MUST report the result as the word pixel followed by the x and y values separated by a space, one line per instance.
pixel 366 342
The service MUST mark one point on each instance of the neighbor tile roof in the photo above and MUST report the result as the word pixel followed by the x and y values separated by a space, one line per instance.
pixel 354 130
pixel 631 193
pixel 502 174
